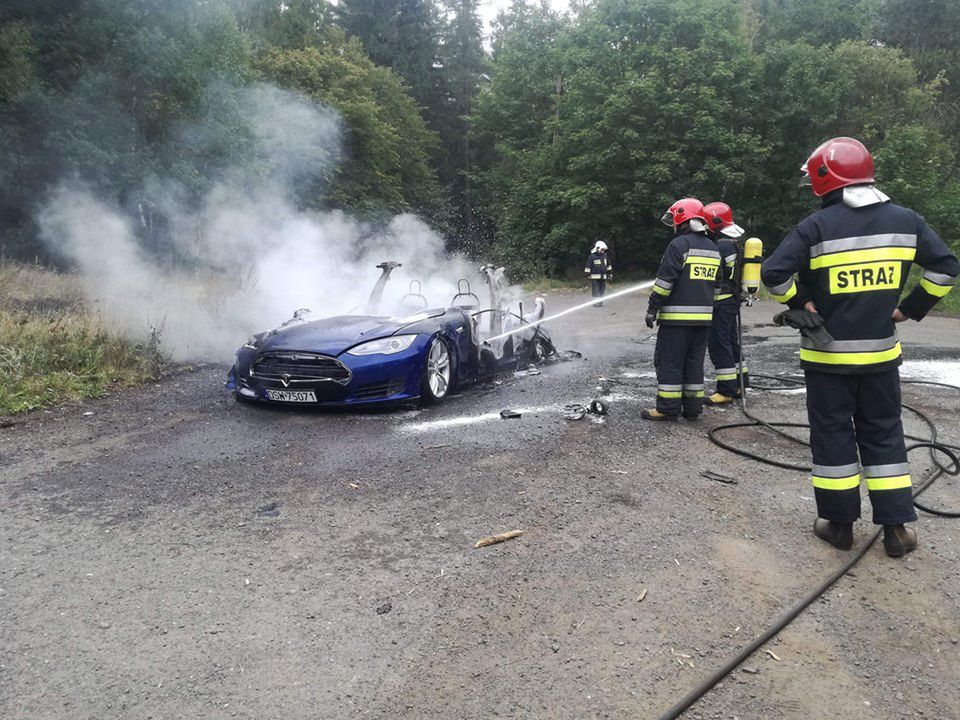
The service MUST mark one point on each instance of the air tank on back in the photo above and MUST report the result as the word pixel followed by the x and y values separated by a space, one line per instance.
pixel 752 258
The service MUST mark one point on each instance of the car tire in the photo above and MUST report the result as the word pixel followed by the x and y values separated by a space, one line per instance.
pixel 437 378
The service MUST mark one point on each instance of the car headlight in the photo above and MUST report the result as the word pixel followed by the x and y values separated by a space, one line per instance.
pixel 384 346
pixel 251 344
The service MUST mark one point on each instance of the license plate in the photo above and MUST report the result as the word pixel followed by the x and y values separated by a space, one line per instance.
pixel 292 395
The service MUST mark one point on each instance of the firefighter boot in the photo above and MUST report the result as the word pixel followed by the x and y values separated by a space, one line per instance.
pixel 654 414
pixel 838 534
pixel 898 540
pixel 692 416
pixel 718 399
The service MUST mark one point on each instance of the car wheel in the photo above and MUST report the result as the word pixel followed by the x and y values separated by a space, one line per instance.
pixel 437 373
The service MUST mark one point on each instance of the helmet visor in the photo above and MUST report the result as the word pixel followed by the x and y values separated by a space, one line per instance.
pixel 732 231
pixel 667 219
pixel 805 181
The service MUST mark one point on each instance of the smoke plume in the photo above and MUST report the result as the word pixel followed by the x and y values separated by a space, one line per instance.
pixel 246 257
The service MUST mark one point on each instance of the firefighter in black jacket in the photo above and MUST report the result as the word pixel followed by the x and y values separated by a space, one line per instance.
pixel 852 259
pixel 682 304
pixel 724 341
pixel 600 269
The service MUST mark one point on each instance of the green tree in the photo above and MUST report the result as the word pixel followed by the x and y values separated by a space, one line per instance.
pixel 811 93
pixel 651 109
pixel 818 22
pixel 385 165
pixel 288 24
pixel 465 70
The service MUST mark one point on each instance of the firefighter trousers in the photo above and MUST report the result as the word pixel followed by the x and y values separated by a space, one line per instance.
pixel 598 289
pixel 678 359
pixel 724 347
pixel 858 412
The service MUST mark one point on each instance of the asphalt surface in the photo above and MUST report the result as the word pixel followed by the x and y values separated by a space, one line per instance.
pixel 166 552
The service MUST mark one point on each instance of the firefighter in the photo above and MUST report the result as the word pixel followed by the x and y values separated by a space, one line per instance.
pixel 723 343
pixel 600 270
pixel 852 259
pixel 682 304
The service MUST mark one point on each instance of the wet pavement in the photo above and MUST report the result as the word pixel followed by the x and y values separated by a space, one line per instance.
pixel 177 554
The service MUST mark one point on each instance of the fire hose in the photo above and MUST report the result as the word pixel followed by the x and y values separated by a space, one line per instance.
pixel 931 443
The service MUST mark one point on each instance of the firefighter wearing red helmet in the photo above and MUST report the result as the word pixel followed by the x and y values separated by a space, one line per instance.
pixel 851 260
pixel 723 344
pixel 682 305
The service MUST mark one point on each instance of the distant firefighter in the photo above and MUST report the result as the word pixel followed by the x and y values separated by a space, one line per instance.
pixel 682 305
pixel 600 269
pixel 852 259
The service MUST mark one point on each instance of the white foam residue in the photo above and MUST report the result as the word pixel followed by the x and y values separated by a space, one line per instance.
pixel 465 420
pixel 631 374
pixel 944 371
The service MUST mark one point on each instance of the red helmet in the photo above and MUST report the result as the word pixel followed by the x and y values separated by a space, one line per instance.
pixel 720 219
pixel 683 210
pixel 837 163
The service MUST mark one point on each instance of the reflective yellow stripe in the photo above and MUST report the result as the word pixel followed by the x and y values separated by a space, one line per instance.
pixel 693 393
pixel 787 295
pixel 850 358
pixel 660 291
pixel 685 316
pixel 669 394
pixel 721 378
pixel 701 260
pixel 889 483
pixel 722 297
pixel 858 256
pixel 934 289
pixel 844 483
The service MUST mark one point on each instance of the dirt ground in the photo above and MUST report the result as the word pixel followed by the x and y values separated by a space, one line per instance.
pixel 169 553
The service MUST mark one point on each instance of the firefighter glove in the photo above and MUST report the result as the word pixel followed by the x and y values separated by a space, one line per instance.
pixel 799 319
pixel 810 324
pixel 651 319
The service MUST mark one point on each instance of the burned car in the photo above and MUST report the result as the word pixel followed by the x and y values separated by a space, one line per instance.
pixel 417 354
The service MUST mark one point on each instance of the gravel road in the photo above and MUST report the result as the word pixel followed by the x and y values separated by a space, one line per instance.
pixel 166 552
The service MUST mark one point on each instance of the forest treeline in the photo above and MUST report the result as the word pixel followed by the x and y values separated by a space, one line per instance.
pixel 562 130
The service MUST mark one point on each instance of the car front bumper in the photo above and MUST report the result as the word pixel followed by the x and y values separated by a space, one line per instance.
pixel 374 379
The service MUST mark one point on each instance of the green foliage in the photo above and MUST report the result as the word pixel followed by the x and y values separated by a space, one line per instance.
pixel 52 350
pixel 385 167
pixel 134 97
pixel 465 70
pixel 601 120
pixel 579 127
pixel 17 61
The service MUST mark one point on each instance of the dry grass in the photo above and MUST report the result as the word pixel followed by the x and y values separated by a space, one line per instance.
pixel 53 349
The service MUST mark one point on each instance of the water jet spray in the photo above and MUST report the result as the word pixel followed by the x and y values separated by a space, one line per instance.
pixel 526 326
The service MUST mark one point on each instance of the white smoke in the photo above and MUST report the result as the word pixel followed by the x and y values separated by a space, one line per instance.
pixel 252 258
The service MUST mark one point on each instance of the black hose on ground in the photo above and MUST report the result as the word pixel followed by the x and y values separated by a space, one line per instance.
pixel 777 626
pixel 754 422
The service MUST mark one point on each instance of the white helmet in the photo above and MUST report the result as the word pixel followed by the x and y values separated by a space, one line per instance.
pixel 601 245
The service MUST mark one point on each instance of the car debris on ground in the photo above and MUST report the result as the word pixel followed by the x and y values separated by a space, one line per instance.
pixel 725 479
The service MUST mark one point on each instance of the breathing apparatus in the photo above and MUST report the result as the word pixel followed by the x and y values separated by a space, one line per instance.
pixel 747 277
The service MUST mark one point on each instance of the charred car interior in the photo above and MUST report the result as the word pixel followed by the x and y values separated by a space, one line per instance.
pixel 418 353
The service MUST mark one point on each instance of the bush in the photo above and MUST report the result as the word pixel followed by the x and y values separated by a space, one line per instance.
pixel 53 349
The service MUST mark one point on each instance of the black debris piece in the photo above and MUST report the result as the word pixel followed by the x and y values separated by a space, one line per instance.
pixel 271 510
pixel 726 479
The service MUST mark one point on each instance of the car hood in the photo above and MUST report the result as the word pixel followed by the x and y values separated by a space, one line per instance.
pixel 331 336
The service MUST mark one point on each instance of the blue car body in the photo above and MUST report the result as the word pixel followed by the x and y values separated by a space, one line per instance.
pixel 314 356
pixel 313 362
